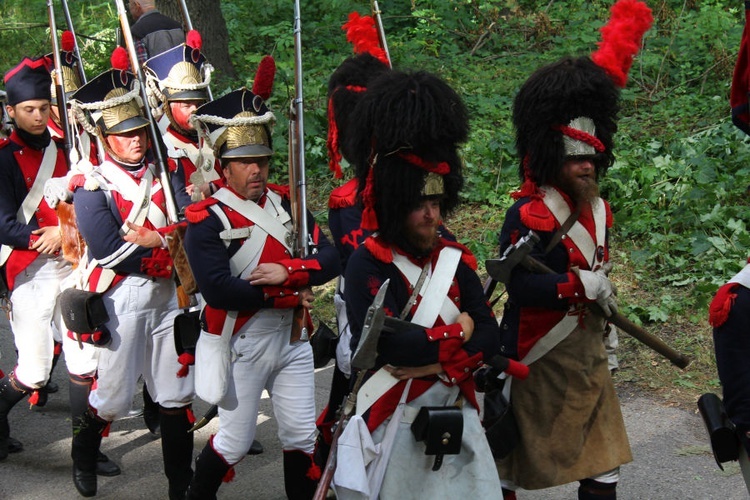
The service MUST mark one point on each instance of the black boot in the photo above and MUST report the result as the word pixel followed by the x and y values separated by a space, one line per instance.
pixel 78 389
pixel 87 437
pixel 590 489
pixel 177 449
pixel 301 475
pixel 11 392
pixel 51 386
pixel 150 412
pixel 210 470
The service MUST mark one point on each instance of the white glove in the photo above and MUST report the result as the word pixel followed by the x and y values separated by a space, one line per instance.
pixel 598 288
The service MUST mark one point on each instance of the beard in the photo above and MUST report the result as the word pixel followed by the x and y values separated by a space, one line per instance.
pixel 420 243
pixel 580 189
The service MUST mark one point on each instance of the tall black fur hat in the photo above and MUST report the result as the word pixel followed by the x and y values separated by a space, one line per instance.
pixel 569 108
pixel 548 101
pixel 346 88
pixel 404 145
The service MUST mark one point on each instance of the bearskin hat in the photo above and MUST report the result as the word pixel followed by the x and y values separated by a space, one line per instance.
pixel 548 101
pixel 406 136
pixel 345 89
pixel 350 80
pixel 569 108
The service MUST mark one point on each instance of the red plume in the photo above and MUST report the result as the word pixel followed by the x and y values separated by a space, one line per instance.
pixel 621 38
pixel 194 40
pixel 68 41
pixel 263 83
pixel 119 59
pixel 361 33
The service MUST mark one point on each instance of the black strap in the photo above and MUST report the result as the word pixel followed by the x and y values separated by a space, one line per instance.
pixel 572 218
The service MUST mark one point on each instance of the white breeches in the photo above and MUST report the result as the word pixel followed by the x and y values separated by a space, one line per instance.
pixel 35 317
pixel 141 321
pixel 262 358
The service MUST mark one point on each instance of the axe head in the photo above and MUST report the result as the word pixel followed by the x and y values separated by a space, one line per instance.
pixel 500 269
pixel 367 350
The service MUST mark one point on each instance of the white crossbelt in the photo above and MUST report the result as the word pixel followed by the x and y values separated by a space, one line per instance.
pixel 35 194
pixel 435 288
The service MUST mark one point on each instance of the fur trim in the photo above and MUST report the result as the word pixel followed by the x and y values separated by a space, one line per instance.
pixel 537 216
pixel 264 76
pixel 344 196
pixel 198 212
pixel 622 37
pixel 119 59
pixel 67 41
pixel 379 249
pixel 362 34
pixel 721 305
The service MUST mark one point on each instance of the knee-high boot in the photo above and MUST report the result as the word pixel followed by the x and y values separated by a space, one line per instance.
pixel 301 475
pixel 150 412
pixel 177 449
pixel 79 389
pixel 51 386
pixel 210 471
pixel 11 392
pixel 87 437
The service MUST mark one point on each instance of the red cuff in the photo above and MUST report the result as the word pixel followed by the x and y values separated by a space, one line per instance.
pixel 33 239
pixel 444 332
pixel 280 297
pixel 158 265
pixel 461 366
pixel 572 289
pixel 298 271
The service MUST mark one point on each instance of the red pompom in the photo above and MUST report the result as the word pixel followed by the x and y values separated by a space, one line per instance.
pixel 263 83
pixel 68 41
pixel 119 59
pixel 361 33
pixel 621 38
pixel 194 40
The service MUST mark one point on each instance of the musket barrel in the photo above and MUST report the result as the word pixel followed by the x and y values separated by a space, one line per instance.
pixel 156 139
pixel 76 51
pixel 62 101
pixel 297 131
pixel 189 26
pixel 381 31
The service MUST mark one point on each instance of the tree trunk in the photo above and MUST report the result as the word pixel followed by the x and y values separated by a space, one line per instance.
pixel 207 18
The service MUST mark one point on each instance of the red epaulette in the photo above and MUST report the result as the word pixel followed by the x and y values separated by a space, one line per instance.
pixel 197 212
pixel 379 249
pixel 537 216
pixel 718 311
pixel 4 141
pixel 466 255
pixel 282 191
pixel 344 196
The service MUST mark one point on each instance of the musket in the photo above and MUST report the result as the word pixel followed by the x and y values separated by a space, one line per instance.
pixel 500 270
pixel 62 101
pixel 297 184
pixel 189 26
pixel 156 138
pixel 381 31
pixel 76 51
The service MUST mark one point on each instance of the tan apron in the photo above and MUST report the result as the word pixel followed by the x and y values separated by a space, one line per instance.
pixel 568 415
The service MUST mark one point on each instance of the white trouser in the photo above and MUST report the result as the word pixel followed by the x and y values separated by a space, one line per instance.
pixel 343 348
pixel 34 311
pixel 262 358
pixel 141 320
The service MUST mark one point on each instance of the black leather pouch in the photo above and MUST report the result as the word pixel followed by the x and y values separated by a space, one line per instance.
pixel 83 312
pixel 441 429
pixel 187 329
pixel 721 431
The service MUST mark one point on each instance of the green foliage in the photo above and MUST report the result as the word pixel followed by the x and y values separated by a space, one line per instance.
pixel 677 189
